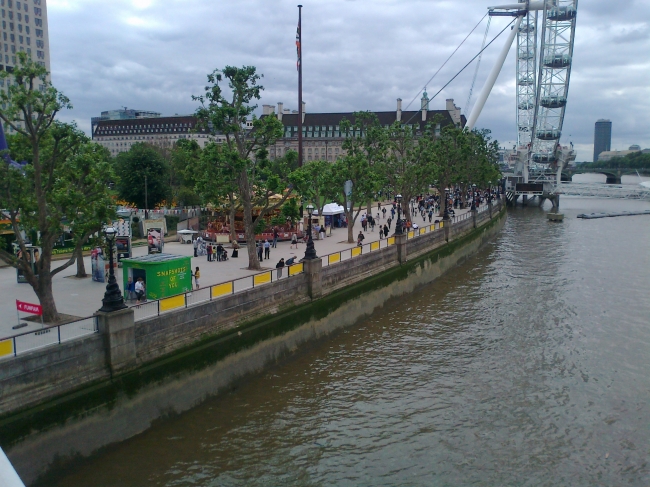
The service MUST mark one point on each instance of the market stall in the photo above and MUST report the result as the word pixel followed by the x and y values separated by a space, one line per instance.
pixel 163 274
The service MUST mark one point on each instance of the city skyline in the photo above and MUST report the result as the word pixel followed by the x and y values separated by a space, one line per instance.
pixel 354 58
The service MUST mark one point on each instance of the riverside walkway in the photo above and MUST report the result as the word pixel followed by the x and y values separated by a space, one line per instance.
pixel 82 297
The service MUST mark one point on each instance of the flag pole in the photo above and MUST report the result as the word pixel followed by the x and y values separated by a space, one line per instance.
pixel 299 46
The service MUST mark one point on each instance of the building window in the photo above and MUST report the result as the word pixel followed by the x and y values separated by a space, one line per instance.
pixel 40 43
pixel 27 19
pixel 37 11
pixel 39 33
pixel 29 41
pixel 39 22
pixel 20 39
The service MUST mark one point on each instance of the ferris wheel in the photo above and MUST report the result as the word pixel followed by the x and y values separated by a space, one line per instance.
pixel 543 70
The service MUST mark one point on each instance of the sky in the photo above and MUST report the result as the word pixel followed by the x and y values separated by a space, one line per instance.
pixel 357 55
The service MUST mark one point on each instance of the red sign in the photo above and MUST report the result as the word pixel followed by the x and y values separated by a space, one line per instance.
pixel 33 309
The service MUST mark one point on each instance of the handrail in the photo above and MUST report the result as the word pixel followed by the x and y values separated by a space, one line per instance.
pixel 52 335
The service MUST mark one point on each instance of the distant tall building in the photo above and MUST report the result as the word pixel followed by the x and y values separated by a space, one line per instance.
pixel 602 137
pixel 23 28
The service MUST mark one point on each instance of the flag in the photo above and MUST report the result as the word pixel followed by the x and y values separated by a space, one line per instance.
pixel 298 46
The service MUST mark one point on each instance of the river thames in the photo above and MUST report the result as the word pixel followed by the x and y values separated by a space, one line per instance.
pixel 527 365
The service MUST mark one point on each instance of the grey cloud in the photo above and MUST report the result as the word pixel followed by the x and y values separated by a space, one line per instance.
pixel 358 55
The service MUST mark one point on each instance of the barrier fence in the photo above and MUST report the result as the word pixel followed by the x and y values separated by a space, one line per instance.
pixel 18 344
pixel 150 309
pixel 53 335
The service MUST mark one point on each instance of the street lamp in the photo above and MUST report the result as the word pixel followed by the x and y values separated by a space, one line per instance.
pixel 113 300
pixel 398 225
pixel 473 197
pixel 310 252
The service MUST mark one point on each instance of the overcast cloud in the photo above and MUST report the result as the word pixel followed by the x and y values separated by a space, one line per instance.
pixel 357 55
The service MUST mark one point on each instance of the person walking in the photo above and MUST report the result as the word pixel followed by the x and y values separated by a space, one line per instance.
pixel 267 249
pixel 390 220
pixel 383 212
pixel 209 252
pixel 197 277
pixel 294 241
pixel 275 237
pixel 360 238
pixel 130 290
pixel 381 232
pixel 196 245
pixel 385 231
pixel 235 249
pixel 279 267
pixel 140 290
pixel 259 250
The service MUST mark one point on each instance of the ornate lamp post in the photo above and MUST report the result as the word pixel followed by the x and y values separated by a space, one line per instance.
pixel 113 300
pixel 473 197
pixel 398 225
pixel 310 252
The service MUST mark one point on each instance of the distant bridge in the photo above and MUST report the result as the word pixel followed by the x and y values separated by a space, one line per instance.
pixel 613 174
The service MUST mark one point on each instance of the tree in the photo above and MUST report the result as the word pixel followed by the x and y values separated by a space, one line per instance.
pixel 408 170
pixel 40 198
pixel 244 155
pixel 368 139
pixel 142 164
pixel 312 182
pixel 183 159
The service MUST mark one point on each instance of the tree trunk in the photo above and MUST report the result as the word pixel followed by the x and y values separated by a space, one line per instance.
pixel 231 216
pixel 81 267
pixel 349 215
pixel 45 294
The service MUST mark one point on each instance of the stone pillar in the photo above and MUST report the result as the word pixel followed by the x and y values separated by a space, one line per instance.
pixel 119 330
pixel 447 228
pixel 312 271
pixel 490 208
pixel 474 215
pixel 400 243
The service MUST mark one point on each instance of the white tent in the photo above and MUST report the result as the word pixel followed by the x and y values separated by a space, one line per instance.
pixel 332 209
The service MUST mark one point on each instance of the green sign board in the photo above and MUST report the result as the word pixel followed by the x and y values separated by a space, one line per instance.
pixel 164 274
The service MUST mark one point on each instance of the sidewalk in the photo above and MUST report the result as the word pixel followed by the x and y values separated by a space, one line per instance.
pixel 82 297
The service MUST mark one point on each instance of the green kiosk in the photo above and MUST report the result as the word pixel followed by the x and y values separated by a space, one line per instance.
pixel 164 274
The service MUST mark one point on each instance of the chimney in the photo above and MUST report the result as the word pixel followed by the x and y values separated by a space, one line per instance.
pixel 266 109
pixel 303 111
pixel 454 111
pixel 280 110
pixel 399 110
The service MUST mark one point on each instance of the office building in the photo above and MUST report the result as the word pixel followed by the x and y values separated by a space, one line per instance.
pixel 122 114
pixel 602 137
pixel 322 135
pixel 119 134
pixel 23 28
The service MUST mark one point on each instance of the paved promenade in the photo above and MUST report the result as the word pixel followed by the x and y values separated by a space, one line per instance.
pixel 82 297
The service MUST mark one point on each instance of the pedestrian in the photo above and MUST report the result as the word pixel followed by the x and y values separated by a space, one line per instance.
pixel 383 212
pixel 360 238
pixel 197 277
pixel 392 212
pixel 140 289
pixel 430 215
pixel 390 221
pixel 294 241
pixel 258 244
pixel 385 231
pixel 275 237
pixel 130 289
pixel 381 232
pixel 209 252
pixel 279 267
pixel 221 253
pixel 322 233
pixel 235 249
pixel 267 249
pixel 196 244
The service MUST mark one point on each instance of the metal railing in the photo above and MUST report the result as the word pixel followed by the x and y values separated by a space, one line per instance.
pixel 150 309
pixel 195 297
pixel 53 335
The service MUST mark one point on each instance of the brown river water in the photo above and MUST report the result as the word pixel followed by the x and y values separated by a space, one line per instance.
pixel 528 365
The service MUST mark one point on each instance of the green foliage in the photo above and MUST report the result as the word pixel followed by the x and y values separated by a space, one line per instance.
pixel 183 165
pixel 312 182
pixel 635 160
pixel 66 179
pixel 239 171
pixel 131 168
pixel 291 211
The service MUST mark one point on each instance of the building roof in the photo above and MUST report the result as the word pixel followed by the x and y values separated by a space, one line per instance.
pixel 385 118
pixel 155 258
pixel 178 123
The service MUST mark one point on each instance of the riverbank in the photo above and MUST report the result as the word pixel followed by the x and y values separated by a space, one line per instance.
pixel 276 322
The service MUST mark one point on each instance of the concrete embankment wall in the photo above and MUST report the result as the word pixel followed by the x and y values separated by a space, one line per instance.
pixel 183 357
